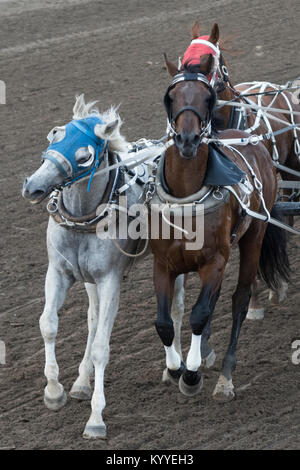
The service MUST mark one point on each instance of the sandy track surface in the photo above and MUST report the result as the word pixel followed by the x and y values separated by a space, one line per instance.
pixel 112 51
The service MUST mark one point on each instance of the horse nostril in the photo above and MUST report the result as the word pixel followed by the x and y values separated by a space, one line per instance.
pixel 178 139
pixel 32 193
pixel 38 193
pixel 196 140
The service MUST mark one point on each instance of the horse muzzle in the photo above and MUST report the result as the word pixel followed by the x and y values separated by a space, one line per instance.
pixel 187 144
pixel 33 192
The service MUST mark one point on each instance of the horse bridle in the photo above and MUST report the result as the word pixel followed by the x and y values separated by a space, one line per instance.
pixel 181 77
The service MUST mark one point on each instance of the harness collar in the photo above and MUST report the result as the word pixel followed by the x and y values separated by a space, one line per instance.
pixel 212 197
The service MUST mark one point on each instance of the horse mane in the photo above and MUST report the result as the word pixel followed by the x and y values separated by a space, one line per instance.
pixel 116 141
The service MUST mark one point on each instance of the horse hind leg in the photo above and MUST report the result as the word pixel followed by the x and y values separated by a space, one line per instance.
pixel 250 255
pixel 108 289
pixel 279 295
pixel 81 389
pixel 224 389
pixel 255 311
pixel 56 287
pixel 177 313
pixel 207 353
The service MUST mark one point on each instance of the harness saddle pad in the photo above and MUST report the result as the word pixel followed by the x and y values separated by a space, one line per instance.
pixel 221 171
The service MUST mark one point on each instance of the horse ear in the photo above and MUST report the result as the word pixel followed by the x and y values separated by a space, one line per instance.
pixel 111 127
pixel 104 130
pixel 195 32
pixel 214 34
pixel 172 68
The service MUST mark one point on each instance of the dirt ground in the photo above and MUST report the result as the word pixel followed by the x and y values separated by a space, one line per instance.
pixel 112 51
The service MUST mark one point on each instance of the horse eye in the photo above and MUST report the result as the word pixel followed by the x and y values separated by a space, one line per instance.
pixel 85 156
pixel 82 160
pixel 56 135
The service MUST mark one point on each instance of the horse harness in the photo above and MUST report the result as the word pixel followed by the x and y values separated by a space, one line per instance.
pixel 88 223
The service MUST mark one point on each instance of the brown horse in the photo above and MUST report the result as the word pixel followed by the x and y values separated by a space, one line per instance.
pixel 203 63
pixel 186 170
pixel 284 148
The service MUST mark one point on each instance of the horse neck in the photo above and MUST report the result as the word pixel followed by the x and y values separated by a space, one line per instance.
pixel 185 177
pixel 78 201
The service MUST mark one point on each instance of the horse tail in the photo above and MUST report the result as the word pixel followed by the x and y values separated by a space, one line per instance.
pixel 274 262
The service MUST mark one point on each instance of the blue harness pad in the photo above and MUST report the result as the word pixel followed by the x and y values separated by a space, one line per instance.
pixel 78 134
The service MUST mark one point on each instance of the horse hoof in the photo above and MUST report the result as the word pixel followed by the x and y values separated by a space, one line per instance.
pixel 209 360
pixel 95 432
pixel 55 404
pixel 277 297
pixel 189 390
pixel 80 393
pixel 255 314
pixel 173 376
pixel 223 391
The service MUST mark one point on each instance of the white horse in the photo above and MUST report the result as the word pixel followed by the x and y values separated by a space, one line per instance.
pixel 77 150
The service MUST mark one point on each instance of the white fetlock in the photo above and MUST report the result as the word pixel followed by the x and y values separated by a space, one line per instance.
pixel 255 314
pixel 166 378
pixel 95 432
pixel 95 428
pixel 224 390
pixel 54 396
pixel 54 390
pixel 278 296
pixel 81 392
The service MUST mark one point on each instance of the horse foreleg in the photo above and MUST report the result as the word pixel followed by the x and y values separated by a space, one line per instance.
pixel 164 289
pixel 56 287
pixel 191 381
pixel 108 293
pixel 81 389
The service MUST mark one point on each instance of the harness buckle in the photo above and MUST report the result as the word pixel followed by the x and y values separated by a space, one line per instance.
pixel 253 139
pixel 52 206
pixel 217 194
pixel 225 72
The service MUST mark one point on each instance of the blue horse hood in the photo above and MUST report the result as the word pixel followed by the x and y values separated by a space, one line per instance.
pixel 74 140
pixel 78 135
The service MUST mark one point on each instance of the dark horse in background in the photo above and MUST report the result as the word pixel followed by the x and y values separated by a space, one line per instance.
pixel 285 147
pixel 183 172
